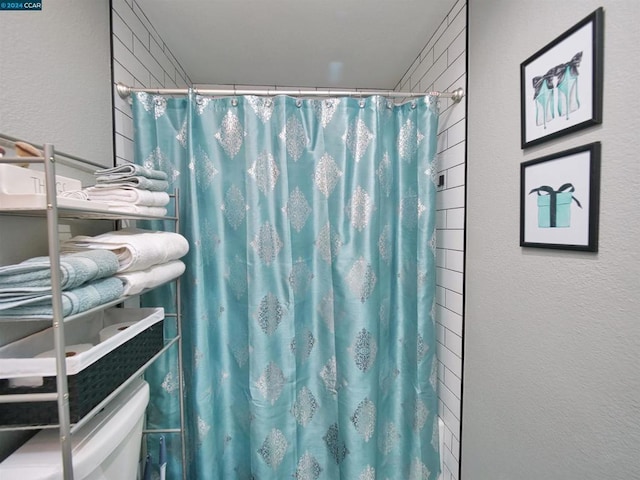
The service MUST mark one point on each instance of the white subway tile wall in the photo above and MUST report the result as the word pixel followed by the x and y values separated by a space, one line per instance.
pixel 441 66
pixel 140 59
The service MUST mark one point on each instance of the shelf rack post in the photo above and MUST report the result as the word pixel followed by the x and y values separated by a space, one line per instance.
pixel 183 446
pixel 58 323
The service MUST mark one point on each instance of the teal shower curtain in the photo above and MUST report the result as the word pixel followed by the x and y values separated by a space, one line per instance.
pixel 309 295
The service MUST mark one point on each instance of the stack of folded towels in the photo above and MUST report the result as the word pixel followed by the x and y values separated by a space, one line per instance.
pixel 93 271
pixel 146 258
pixel 86 280
pixel 128 188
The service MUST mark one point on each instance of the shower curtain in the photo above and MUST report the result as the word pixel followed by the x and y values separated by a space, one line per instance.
pixel 308 300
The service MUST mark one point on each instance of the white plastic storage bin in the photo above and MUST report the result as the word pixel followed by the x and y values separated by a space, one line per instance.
pixel 100 357
pixel 25 187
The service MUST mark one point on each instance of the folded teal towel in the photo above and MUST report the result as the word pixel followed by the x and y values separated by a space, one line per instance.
pixel 128 170
pixel 74 301
pixel 135 181
pixel 34 275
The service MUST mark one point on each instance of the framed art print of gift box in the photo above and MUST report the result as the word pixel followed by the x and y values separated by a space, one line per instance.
pixel 561 84
pixel 560 198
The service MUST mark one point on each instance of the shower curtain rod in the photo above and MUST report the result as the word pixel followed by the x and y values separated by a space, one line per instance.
pixel 124 91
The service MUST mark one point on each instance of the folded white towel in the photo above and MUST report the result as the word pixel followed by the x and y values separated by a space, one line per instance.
pixel 130 195
pixel 75 194
pixel 137 209
pixel 137 249
pixel 136 282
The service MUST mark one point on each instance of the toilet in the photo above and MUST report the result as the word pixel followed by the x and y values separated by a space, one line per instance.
pixel 105 448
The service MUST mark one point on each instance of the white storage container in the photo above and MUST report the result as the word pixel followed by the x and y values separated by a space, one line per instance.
pixel 25 187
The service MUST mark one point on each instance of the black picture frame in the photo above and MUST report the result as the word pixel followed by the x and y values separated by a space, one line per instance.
pixel 561 84
pixel 560 200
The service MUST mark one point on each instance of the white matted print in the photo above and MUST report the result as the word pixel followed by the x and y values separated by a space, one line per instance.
pixel 561 85
pixel 559 201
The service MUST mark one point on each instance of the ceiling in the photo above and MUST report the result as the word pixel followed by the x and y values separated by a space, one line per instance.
pixel 296 43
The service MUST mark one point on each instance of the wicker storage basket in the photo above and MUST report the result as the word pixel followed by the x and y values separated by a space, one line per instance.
pixel 92 374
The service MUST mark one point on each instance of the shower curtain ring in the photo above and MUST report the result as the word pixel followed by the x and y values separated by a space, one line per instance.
pixel 234 100
pixel 389 101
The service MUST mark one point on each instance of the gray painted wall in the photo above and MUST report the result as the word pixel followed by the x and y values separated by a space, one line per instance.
pixel 552 338
pixel 55 78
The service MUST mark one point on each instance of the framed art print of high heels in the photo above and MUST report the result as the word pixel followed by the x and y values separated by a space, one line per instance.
pixel 567 86
pixel 544 97
pixel 561 85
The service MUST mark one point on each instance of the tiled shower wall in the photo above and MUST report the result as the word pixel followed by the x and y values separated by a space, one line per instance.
pixel 441 66
pixel 141 59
